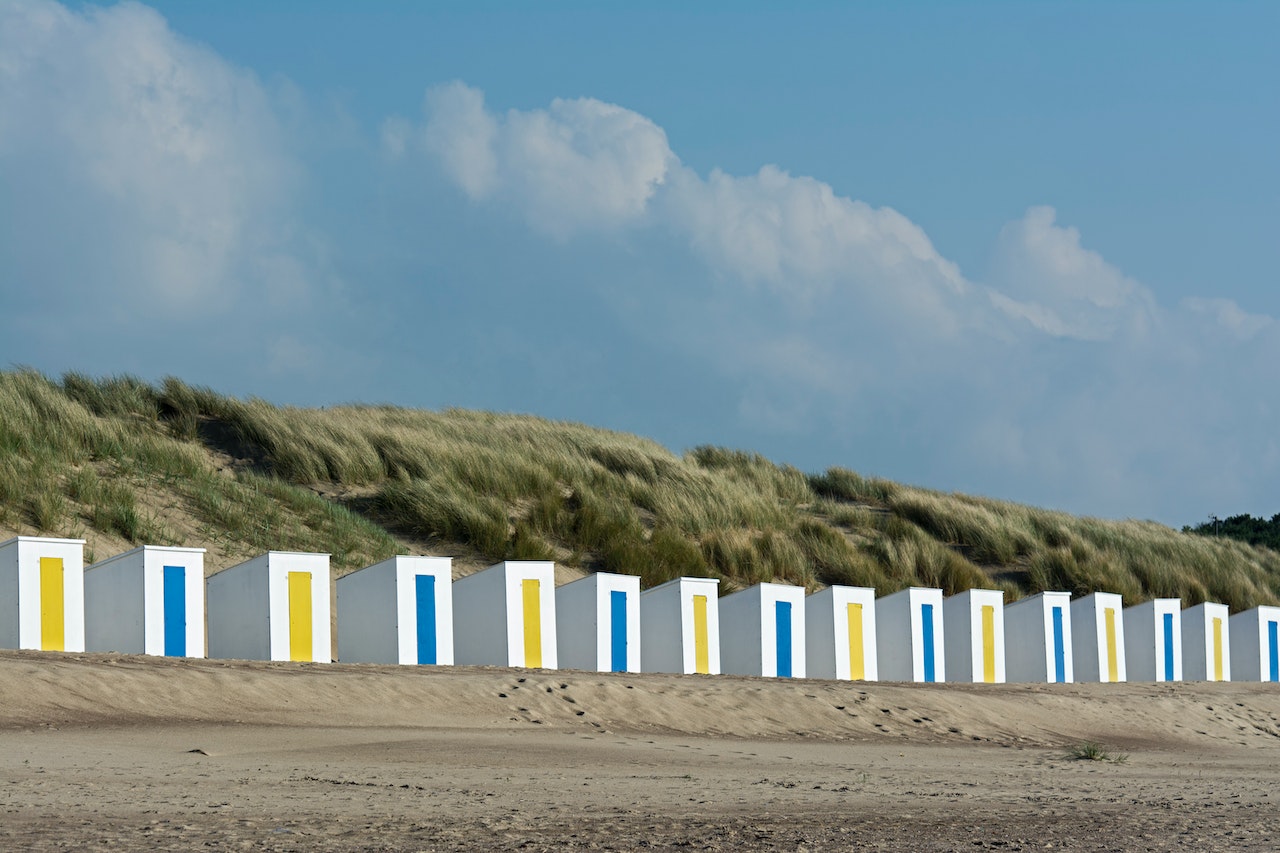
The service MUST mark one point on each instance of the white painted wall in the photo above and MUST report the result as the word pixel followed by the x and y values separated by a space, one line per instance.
pixel 378 611
pixel 666 626
pixel 20 591
pixel 748 630
pixel 1197 642
pixel 900 635
pixel 826 622
pixel 1144 639
pixel 584 622
pixel 964 638
pixel 1029 647
pixel 1089 635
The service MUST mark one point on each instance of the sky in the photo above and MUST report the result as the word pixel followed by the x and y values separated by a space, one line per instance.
pixel 1022 250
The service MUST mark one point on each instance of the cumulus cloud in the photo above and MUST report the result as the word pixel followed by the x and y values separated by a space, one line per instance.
pixel 1046 278
pixel 579 165
pixel 1052 376
pixel 144 171
pixel 583 166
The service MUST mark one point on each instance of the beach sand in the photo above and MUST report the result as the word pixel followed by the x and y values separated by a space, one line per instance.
pixel 118 752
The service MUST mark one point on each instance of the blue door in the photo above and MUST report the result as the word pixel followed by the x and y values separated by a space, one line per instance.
pixel 425 592
pixel 617 631
pixel 175 611
pixel 1273 645
pixel 782 629
pixel 926 632
pixel 1059 649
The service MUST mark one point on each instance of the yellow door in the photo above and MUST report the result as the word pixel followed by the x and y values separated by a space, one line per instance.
pixel 300 645
pixel 988 643
pixel 701 642
pixel 1217 648
pixel 857 658
pixel 531 591
pixel 53 605
pixel 1113 660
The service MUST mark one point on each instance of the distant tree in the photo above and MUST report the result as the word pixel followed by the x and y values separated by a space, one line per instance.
pixel 1246 528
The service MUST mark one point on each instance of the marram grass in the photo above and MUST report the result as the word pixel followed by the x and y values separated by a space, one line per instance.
pixel 166 463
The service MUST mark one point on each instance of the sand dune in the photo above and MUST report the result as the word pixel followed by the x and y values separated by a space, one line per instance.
pixel 99 751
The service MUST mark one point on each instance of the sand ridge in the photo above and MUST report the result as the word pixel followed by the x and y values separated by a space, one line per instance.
pixel 121 752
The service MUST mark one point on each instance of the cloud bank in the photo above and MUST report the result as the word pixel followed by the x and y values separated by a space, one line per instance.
pixel 563 259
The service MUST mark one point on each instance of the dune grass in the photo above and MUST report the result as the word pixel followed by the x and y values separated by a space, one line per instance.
pixel 360 481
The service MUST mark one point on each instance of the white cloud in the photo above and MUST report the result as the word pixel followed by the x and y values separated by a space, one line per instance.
pixel 462 134
pixel 151 172
pixel 796 232
pixel 1229 317
pixel 1061 288
pixel 580 165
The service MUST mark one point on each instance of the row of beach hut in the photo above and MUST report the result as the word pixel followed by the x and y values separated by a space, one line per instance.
pixel 409 610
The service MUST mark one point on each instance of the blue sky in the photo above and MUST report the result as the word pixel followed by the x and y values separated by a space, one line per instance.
pixel 1022 250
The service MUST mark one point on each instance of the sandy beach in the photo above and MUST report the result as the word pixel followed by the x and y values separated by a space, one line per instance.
pixel 116 752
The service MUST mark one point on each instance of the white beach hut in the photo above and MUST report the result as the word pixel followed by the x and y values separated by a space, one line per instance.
pixel 1206 643
pixel 762 631
pixel 909 636
pixel 975 636
pixel 505 615
pixel 42 594
pixel 1038 639
pixel 273 607
pixel 148 601
pixel 1255 645
pixel 1097 634
pixel 397 611
pixel 680 626
pixel 598 623
pixel 1153 640
pixel 840 633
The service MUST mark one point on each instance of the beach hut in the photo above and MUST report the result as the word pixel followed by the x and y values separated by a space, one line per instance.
pixel 1038 639
pixel 762 631
pixel 840 633
pixel 273 607
pixel 505 615
pixel 1153 640
pixel 975 636
pixel 42 594
pixel 909 635
pixel 147 601
pixel 1206 643
pixel 397 611
pixel 598 623
pixel 1097 632
pixel 1255 645
pixel 680 626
